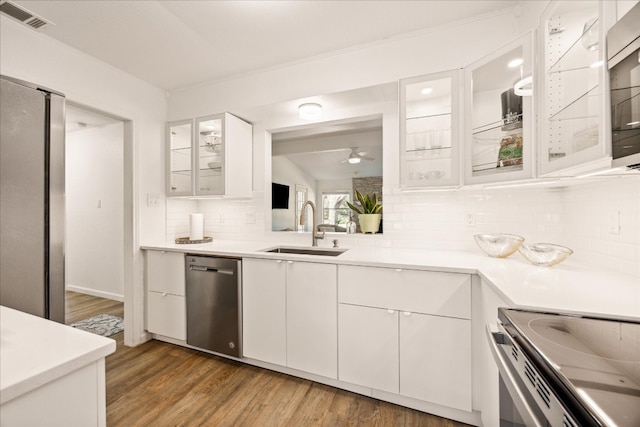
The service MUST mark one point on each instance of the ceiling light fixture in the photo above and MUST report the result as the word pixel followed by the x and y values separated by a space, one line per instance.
pixel 515 63
pixel 354 160
pixel 524 87
pixel 426 91
pixel 310 111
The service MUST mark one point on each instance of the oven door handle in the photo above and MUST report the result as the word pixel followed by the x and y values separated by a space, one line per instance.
pixel 520 399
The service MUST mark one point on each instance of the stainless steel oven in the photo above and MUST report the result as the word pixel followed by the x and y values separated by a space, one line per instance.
pixel 569 371
pixel 623 58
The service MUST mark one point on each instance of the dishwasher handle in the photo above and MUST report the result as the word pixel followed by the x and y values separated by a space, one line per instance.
pixel 212 269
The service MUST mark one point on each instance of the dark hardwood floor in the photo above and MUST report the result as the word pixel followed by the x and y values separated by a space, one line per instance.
pixel 160 384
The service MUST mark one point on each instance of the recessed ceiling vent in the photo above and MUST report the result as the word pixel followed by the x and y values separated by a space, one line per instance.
pixel 23 15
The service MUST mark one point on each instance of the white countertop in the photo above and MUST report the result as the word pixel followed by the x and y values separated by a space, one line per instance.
pixel 35 351
pixel 567 287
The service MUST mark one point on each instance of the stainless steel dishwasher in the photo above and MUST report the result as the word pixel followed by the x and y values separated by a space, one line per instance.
pixel 214 308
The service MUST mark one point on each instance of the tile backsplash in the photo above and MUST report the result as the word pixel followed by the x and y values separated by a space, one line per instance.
pixel 584 217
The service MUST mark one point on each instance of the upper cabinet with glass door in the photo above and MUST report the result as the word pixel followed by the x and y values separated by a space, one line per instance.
pixel 499 115
pixel 179 158
pixel 429 122
pixel 223 149
pixel 210 170
pixel 573 108
pixel 212 158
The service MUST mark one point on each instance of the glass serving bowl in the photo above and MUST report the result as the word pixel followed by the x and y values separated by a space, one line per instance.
pixel 498 245
pixel 546 254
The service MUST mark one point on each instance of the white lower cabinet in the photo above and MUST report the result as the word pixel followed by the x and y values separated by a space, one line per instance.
pixel 368 343
pixel 435 359
pixel 312 318
pixel 166 303
pixel 167 315
pixel 290 314
pixel 406 332
pixel 264 310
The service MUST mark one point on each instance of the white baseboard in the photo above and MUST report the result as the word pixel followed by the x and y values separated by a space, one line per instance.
pixel 95 293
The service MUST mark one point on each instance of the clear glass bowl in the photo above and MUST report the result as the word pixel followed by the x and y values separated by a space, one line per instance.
pixel 498 245
pixel 546 254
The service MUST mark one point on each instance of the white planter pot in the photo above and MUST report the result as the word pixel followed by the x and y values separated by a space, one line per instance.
pixel 369 223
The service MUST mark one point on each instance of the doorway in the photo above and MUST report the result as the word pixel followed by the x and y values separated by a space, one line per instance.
pixel 95 203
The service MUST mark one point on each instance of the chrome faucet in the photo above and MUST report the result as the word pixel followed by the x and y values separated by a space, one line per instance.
pixel 314 235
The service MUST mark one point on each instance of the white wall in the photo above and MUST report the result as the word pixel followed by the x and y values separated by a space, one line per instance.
pixel 94 211
pixel 587 216
pixel 432 220
pixel 443 48
pixel 33 56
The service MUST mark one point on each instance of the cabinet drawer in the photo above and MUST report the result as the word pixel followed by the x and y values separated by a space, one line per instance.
pixel 167 315
pixel 443 294
pixel 165 272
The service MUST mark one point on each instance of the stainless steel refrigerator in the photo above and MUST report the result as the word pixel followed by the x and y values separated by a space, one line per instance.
pixel 32 199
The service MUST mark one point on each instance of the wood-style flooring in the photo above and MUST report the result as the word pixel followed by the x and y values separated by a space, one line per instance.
pixel 160 384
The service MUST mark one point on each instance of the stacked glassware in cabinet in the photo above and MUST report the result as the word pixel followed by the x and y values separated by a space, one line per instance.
pixel 429 130
pixel 573 108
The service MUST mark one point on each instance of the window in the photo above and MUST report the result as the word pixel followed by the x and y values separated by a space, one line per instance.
pixel 334 208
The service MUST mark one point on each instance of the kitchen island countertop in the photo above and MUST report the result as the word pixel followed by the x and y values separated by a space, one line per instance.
pixel 568 287
pixel 36 351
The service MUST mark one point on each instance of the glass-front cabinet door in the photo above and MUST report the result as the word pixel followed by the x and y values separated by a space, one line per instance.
pixel 499 115
pixel 179 158
pixel 573 106
pixel 210 152
pixel 429 136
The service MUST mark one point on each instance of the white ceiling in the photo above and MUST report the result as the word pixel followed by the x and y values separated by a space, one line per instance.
pixel 322 151
pixel 174 44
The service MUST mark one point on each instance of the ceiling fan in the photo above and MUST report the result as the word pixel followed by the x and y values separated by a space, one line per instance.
pixel 356 156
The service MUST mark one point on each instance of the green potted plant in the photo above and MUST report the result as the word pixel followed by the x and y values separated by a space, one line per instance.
pixel 368 211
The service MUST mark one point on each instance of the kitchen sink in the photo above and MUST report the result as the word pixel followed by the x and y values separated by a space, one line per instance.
pixel 305 251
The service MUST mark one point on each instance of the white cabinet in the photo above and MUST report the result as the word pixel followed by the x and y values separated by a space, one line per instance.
pixel 312 341
pixel 499 115
pixel 574 108
pixel 75 399
pixel 209 157
pixel 166 304
pixel 368 343
pixel 443 294
pixel 429 130
pixel 223 156
pixel 435 361
pixel 290 314
pixel 406 332
pixel 264 312
pixel 179 158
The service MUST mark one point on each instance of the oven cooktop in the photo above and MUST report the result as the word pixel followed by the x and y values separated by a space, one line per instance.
pixel 593 363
